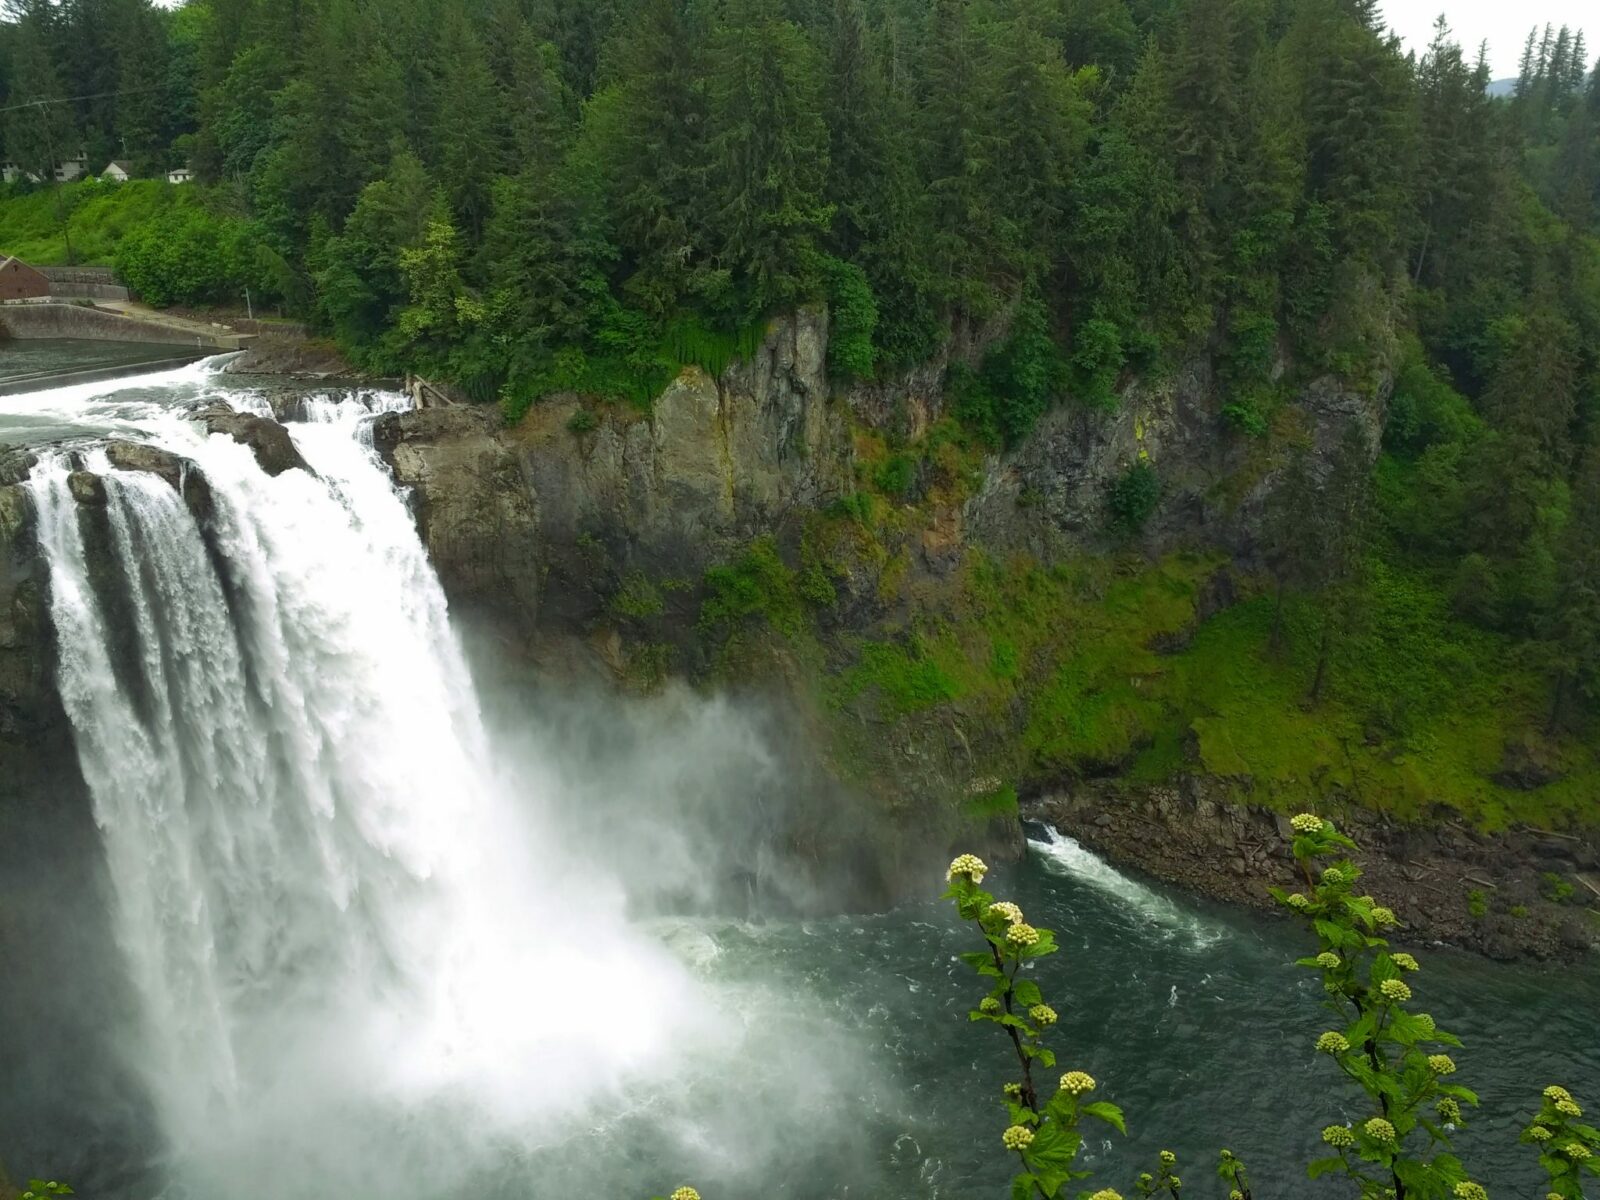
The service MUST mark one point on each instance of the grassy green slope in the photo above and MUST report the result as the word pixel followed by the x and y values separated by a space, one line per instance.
pixel 98 215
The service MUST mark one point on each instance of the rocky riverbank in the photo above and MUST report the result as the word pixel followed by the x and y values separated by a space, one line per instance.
pixel 1516 894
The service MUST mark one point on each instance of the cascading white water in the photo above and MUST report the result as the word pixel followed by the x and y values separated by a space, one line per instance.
pixel 1063 855
pixel 335 913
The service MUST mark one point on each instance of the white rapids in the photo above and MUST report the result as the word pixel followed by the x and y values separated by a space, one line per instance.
pixel 334 912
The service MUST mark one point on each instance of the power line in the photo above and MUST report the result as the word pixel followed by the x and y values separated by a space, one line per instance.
pixel 158 87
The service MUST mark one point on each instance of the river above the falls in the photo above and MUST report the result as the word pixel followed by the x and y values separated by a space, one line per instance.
pixel 367 951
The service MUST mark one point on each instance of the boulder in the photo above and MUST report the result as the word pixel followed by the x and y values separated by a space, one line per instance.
pixel 87 489
pixel 274 448
pixel 184 477
pixel 15 466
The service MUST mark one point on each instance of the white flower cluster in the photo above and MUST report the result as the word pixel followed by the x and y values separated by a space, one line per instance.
pixel 1306 823
pixel 1005 909
pixel 1022 935
pixel 1018 1137
pixel 1393 989
pixel 1077 1082
pixel 969 865
pixel 1379 1130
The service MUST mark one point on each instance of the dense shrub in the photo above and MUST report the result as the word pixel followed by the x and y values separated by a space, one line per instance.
pixel 188 255
pixel 1134 496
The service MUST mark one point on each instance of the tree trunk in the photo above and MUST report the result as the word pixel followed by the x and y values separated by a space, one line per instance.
pixel 1556 702
pixel 1322 664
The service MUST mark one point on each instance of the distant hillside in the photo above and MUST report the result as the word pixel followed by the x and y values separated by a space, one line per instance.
pixel 1502 87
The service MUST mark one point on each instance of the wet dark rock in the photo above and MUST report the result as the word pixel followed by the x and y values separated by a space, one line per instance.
pixel 274 448
pixel 184 477
pixel 15 466
pixel 300 357
pixel 87 489
pixel 1529 763
pixel 477 512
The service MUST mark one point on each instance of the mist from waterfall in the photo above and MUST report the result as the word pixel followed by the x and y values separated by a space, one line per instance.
pixel 350 939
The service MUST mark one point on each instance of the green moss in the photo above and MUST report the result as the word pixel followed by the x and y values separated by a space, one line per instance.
pixel 904 676
pixel 760 584
pixel 638 598
pixel 994 804
pixel 1060 672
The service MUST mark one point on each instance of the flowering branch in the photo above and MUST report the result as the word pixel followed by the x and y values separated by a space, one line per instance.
pixel 1382 1047
pixel 1044 1136
pixel 1568 1150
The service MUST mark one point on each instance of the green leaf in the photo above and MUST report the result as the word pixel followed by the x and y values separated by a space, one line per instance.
pixel 1022 1187
pixel 1046 1056
pixel 1321 1166
pixel 1107 1112
pixel 1027 993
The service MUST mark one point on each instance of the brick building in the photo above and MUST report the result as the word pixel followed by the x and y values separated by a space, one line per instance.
pixel 19 281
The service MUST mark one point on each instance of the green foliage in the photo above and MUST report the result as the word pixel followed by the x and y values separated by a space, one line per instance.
pixel 638 598
pixel 1097 359
pixel 40 1189
pixel 92 215
pixel 854 321
pixel 582 421
pixel 1043 1119
pixel 1380 1045
pixel 896 475
pixel 190 255
pixel 1556 889
pixel 1133 499
pixel 757 584
pixel 1017 383
pixel 1568 1149
pixel 905 677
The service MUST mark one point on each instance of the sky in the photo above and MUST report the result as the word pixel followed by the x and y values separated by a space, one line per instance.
pixel 1505 23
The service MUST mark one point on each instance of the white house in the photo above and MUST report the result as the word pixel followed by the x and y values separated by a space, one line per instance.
pixel 73 168
pixel 180 175
pixel 117 172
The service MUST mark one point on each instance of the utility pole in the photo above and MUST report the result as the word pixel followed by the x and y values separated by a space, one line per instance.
pixel 55 179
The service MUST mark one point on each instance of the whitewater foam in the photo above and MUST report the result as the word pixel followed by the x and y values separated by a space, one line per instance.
pixel 1065 856
pixel 340 921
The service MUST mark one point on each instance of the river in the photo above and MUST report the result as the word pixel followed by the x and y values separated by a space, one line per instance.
pixel 371 940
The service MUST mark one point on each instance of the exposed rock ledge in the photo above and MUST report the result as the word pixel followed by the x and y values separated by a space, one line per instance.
pixel 1479 891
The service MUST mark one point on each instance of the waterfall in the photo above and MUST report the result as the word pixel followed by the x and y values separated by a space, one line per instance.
pixel 344 924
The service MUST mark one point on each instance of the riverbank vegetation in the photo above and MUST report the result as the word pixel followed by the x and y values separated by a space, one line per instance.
pixel 531 196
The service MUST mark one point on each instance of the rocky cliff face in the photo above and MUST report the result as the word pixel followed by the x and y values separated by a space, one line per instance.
pixel 32 726
pixel 602 520
pixel 576 490
pixel 546 516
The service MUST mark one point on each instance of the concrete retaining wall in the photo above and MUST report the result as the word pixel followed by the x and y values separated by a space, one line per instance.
pixel 79 274
pixel 85 283
pixel 89 291
pixel 93 324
